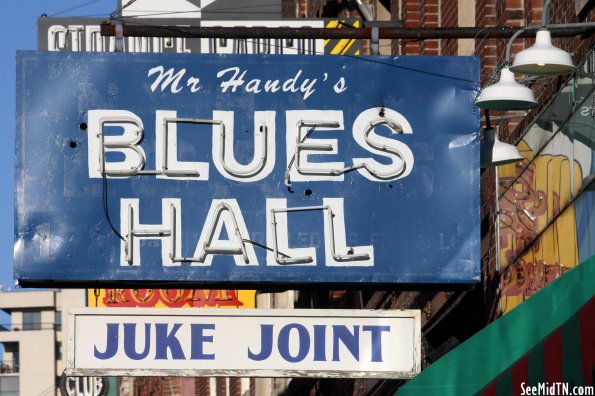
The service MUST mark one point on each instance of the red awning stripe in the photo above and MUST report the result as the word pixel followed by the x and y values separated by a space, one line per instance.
pixel 553 357
pixel 587 342
pixel 520 374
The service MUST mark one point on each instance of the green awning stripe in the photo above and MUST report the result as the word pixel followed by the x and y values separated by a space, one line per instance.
pixel 571 352
pixel 504 387
pixel 536 367
pixel 479 360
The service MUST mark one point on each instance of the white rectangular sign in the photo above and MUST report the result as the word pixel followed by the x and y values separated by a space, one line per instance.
pixel 243 343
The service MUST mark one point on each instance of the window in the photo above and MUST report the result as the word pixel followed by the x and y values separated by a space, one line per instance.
pixel 58 350
pixel 9 386
pixel 32 320
pixel 58 321
pixel 16 360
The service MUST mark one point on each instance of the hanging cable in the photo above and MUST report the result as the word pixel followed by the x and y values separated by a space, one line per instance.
pixel 106 210
pixel 260 245
pixel 74 8
pixel 119 10
pixel 185 32
pixel 290 164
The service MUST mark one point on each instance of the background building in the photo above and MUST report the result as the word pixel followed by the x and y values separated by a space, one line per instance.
pixel 34 341
pixel 536 215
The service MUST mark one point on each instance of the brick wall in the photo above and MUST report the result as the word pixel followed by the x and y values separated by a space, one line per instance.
pixel 414 14
pixel 201 387
pixel 489 272
pixel 395 15
pixel 430 18
pixel 411 14
pixel 177 386
pixel 449 18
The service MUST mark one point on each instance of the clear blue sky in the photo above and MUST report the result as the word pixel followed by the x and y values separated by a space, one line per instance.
pixel 19 31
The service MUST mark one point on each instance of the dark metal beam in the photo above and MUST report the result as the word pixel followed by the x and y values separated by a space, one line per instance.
pixel 133 30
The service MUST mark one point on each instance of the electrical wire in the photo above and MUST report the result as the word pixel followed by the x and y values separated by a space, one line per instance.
pixel 119 10
pixel 266 5
pixel 106 210
pixel 117 233
pixel 148 13
pixel 74 8
pixel 290 164
pixel 478 45
pixel 314 52
pixel 260 245
pixel 174 29
pixel 226 10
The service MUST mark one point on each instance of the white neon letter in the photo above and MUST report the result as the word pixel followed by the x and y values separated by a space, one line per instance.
pixel 224 213
pixel 277 228
pixel 127 143
pixel 57 38
pixel 133 231
pixel 334 235
pixel 183 170
pixel 263 161
pixel 297 153
pixel 75 32
pixel 398 152
pixel 93 39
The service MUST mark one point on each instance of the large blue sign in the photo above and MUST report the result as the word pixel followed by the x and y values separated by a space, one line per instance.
pixel 246 170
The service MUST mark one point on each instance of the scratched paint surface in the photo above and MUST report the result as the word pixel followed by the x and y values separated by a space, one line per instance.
pixel 385 152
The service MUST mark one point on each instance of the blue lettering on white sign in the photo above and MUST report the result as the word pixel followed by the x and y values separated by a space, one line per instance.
pixel 163 341
pixel 341 335
pixel 166 346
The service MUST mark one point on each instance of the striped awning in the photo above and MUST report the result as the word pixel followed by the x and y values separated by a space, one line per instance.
pixel 548 339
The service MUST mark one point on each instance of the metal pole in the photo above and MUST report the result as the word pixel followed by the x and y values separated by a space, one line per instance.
pixel 133 30
pixel 364 11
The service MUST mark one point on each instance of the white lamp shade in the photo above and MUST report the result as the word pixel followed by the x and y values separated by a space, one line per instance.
pixel 506 94
pixel 543 58
pixel 493 152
